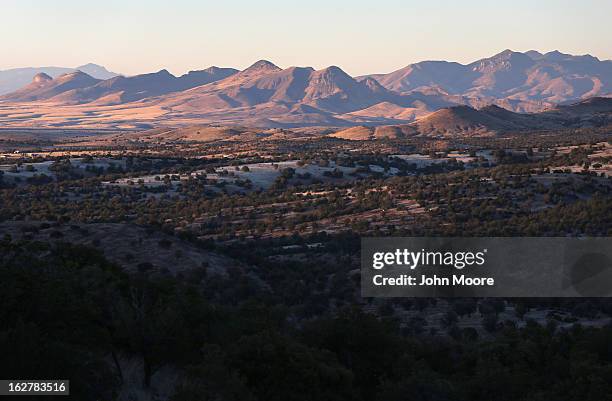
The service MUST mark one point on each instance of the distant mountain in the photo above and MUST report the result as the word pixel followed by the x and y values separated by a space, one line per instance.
pixel 202 77
pixel 444 76
pixel 264 95
pixel 13 79
pixel 44 87
pixel 96 71
pixel 116 90
pixel 330 89
pixel 529 81
pixel 267 95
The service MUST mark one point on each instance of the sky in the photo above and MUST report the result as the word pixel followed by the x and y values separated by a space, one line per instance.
pixel 361 37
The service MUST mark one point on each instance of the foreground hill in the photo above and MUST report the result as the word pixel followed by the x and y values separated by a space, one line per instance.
pixel 117 240
pixel 490 120
pixel 464 119
pixel 362 133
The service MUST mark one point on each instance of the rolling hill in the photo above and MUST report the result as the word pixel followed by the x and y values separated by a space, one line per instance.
pixel 362 133
pixel 491 120
pixel 467 120
pixel 456 121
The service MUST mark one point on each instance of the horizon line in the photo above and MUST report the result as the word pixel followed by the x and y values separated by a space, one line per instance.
pixel 110 69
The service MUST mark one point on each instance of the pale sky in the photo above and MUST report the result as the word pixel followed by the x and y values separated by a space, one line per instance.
pixel 373 36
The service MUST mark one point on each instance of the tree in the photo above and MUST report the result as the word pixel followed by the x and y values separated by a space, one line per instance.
pixel 489 322
pixel 277 368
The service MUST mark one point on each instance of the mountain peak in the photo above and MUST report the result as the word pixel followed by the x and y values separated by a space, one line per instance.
pixel 41 78
pixel 508 55
pixel 334 71
pixel 212 69
pixel 263 65
pixel 373 84
pixel 505 60
pixel 534 54
pixel 75 75
pixel 96 71
pixel 557 56
pixel 555 53
pixel 504 53
pixel 89 65
pixel 163 74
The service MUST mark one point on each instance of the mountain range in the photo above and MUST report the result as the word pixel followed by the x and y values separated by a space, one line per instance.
pixel 79 88
pixel 13 79
pixel 519 81
pixel 268 96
